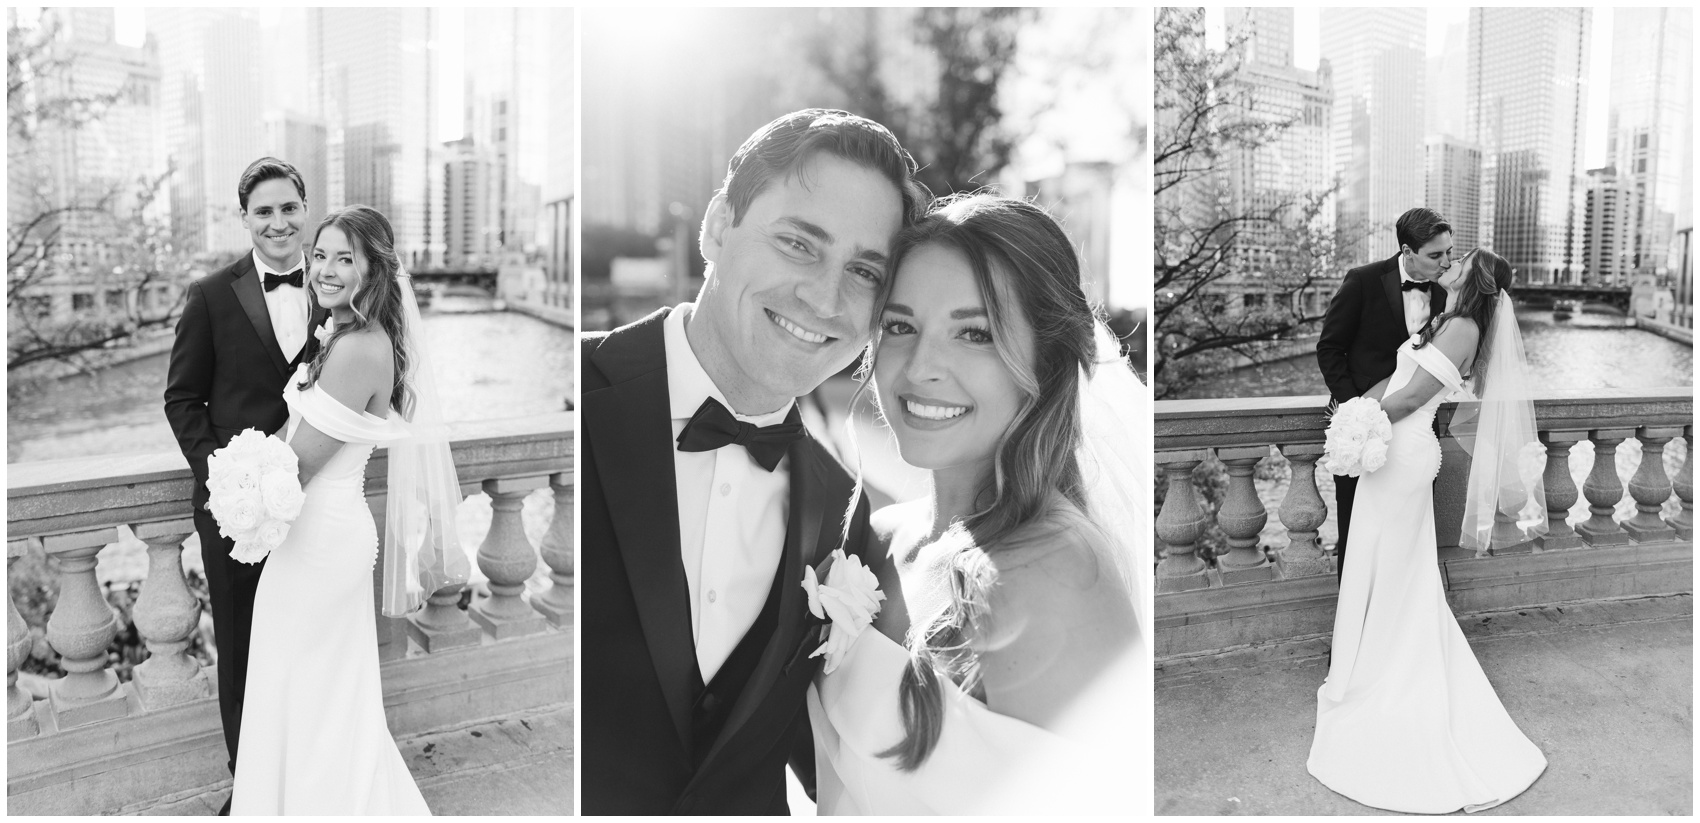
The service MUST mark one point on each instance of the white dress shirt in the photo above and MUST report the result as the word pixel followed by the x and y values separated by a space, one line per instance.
pixel 1416 301
pixel 732 513
pixel 287 306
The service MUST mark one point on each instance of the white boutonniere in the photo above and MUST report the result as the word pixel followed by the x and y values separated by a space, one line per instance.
pixel 848 599
pixel 323 332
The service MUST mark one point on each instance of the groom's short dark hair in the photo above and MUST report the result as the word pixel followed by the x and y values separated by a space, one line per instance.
pixel 263 169
pixel 780 147
pixel 1418 226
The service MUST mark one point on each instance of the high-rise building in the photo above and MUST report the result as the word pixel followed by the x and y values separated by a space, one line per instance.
pixel 65 167
pixel 1612 209
pixel 374 81
pixel 1268 33
pixel 1272 179
pixel 1444 92
pixel 472 223
pixel 1525 105
pixel 1377 57
pixel 1650 124
pixel 1452 185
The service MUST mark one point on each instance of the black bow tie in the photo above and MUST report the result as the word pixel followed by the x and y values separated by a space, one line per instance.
pixel 1408 285
pixel 713 426
pixel 293 278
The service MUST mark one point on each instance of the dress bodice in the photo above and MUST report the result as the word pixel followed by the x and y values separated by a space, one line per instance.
pixel 359 431
pixel 1430 359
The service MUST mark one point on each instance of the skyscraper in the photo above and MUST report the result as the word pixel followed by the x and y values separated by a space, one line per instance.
pixel 1274 178
pixel 1650 124
pixel 1613 206
pixel 1452 185
pixel 1525 103
pixel 1379 98
pixel 373 75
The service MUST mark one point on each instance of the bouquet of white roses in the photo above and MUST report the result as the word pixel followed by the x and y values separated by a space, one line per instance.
pixel 1358 434
pixel 254 492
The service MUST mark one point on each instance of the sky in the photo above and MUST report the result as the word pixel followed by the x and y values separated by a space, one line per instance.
pixel 131 30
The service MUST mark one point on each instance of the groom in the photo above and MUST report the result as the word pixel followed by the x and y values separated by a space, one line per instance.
pixel 243 331
pixel 703 497
pixel 1378 307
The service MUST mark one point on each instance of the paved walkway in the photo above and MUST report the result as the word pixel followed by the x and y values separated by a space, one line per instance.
pixel 516 765
pixel 1605 689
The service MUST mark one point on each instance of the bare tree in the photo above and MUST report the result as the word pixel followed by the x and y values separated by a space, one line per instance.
pixel 44 103
pixel 1234 276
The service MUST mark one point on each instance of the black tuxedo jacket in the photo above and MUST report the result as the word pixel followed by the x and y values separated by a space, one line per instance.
pixel 638 660
pixel 227 372
pixel 1364 327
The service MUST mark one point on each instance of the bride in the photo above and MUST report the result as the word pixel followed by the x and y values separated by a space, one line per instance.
pixel 1010 653
pixel 314 738
pixel 1406 720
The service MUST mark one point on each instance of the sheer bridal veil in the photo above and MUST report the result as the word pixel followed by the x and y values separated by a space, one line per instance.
pixel 1505 502
pixel 422 551
pixel 1115 470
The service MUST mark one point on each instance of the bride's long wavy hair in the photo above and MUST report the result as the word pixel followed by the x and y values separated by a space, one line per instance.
pixel 1485 275
pixel 377 297
pixel 1022 262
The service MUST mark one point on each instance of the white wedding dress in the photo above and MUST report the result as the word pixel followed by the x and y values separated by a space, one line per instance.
pixel 314 739
pixel 1406 720
pixel 984 762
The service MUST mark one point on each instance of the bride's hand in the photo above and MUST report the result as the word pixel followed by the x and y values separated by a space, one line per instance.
pixel 1377 391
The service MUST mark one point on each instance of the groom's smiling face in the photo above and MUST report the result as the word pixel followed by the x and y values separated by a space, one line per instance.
pixel 790 298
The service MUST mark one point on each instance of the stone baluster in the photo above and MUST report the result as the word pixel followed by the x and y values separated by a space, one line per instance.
pixel 1561 493
pixel 556 603
pixel 1180 524
pixel 508 559
pixel 1303 513
pixel 81 628
pixel 1683 522
pixel 1242 517
pixel 20 710
pixel 166 614
pixel 1651 487
pixel 1603 489
pixel 442 624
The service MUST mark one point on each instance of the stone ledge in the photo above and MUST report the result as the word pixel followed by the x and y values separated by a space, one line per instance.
pixel 1206 621
pixel 124 763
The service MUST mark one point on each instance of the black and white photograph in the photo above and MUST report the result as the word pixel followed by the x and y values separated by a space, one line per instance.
pixel 290 411
pixel 864 465
pixel 1423 279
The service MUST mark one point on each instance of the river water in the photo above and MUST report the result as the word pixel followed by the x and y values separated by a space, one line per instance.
pixel 489 365
pixel 1585 352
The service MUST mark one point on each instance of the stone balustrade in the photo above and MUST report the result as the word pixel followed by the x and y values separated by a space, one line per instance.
pixel 72 509
pixel 1255 592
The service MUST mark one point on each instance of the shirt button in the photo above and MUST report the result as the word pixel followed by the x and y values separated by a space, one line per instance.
pixel 711 595
pixel 725 489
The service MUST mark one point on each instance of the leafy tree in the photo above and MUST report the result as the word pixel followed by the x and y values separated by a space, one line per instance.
pixel 1232 276
pixel 957 134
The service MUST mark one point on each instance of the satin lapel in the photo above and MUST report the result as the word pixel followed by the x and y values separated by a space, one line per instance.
pixel 315 318
pixel 628 427
pixel 1395 298
pixel 253 299
pixel 1436 301
pixel 804 538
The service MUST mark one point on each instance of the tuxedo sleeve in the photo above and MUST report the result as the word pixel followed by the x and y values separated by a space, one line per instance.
pixel 1339 329
pixel 188 381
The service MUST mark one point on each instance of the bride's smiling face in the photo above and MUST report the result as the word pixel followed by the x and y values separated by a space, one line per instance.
pixel 338 268
pixel 942 382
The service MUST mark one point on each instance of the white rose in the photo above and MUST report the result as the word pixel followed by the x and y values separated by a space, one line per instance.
pixel 241 513
pixel 271 534
pixel 282 493
pixel 850 598
pixel 1375 455
pixel 248 551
